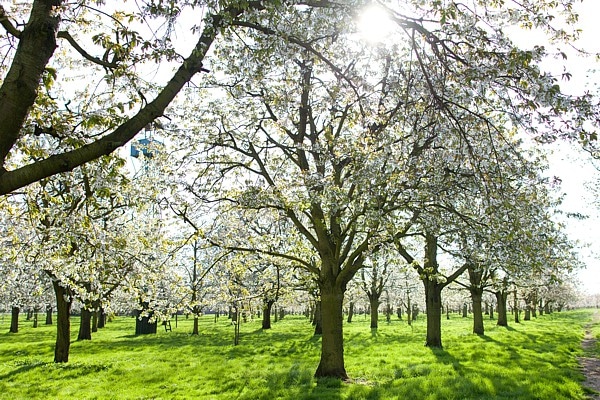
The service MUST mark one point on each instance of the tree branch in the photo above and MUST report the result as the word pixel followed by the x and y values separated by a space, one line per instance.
pixel 66 35
pixel 6 24
pixel 69 160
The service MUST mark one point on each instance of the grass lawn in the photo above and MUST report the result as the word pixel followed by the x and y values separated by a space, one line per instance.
pixel 533 360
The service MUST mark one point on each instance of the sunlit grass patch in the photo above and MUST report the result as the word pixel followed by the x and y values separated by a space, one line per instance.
pixel 533 360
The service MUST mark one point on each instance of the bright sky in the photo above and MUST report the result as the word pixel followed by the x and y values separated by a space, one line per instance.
pixel 573 167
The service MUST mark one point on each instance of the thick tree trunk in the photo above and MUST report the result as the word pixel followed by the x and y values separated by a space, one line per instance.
pixel 266 319
pixel 63 323
pixel 476 295
pixel 501 297
pixel 374 303
pixel 85 325
pixel 14 320
pixel 433 309
pixel 332 340
pixel 48 315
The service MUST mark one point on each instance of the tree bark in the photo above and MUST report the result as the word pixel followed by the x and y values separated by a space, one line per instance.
pixel 350 312
pixel 388 313
pixel 101 318
pixel 85 325
pixel 95 321
pixel 63 323
pixel 332 341
pixel 48 314
pixel 501 296
pixel 19 89
pixel 433 309
pixel 476 296
pixel 476 291
pixel 409 315
pixel 516 306
pixel 14 320
pixel 143 326
pixel 95 315
pixel 318 319
pixel 374 304
pixel 266 319
pixel 196 314
pixel 35 317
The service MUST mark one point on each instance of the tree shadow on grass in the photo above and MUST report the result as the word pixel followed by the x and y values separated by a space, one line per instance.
pixel 24 367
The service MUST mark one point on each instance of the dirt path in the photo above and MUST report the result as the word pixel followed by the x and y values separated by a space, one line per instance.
pixel 590 365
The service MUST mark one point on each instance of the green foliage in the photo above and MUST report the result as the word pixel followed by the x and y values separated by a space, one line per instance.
pixel 533 360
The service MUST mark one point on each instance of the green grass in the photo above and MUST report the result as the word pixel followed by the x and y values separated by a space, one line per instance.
pixel 533 360
pixel 594 327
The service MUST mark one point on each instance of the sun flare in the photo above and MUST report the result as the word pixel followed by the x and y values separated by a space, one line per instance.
pixel 374 24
